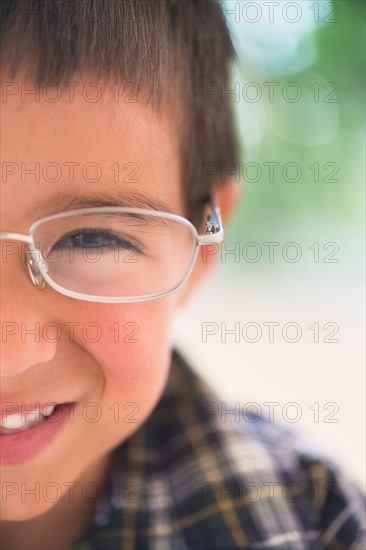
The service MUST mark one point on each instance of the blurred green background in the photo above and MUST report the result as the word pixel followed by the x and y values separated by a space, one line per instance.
pixel 311 55
pixel 323 53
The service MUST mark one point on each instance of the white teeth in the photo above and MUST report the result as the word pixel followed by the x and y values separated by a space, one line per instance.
pixel 14 421
pixel 17 421
pixel 32 416
pixel 47 411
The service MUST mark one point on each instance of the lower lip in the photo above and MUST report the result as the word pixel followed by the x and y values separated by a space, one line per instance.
pixel 22 446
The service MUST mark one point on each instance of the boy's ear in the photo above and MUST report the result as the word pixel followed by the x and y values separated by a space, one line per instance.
pixel 226 197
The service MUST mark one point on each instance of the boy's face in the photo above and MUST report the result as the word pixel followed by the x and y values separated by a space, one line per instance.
pixel 124 378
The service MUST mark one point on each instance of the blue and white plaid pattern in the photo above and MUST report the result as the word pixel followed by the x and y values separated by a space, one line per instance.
pixel 186 480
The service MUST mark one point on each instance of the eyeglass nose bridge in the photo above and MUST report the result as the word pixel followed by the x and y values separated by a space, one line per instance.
pixel 33 258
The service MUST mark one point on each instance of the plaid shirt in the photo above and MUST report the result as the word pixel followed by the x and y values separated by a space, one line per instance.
pixel 187 479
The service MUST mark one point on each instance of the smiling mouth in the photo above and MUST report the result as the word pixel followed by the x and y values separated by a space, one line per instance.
pixel 25 433
pixel 19 422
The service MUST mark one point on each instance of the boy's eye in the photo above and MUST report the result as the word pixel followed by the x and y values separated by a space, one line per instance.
pixel 94 238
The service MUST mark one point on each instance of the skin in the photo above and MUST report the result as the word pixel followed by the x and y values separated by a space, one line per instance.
pixel 105 372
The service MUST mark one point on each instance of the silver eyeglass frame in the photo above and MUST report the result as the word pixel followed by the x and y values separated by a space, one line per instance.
pixel 37 265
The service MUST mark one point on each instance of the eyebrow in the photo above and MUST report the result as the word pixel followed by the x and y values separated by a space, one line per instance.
pixel 131 199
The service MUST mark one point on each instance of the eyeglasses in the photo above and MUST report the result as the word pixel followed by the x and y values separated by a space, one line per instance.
pixel 115 254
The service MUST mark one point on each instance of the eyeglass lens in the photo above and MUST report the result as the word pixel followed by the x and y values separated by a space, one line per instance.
pixel 116 254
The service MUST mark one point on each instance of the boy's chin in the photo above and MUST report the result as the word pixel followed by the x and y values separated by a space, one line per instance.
pixel 23 511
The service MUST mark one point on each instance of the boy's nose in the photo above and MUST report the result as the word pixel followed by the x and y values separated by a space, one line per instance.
pixel 24 340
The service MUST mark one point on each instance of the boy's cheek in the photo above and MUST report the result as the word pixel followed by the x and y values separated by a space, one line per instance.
pixel 125 373
pixel 134 365
pixel 131 346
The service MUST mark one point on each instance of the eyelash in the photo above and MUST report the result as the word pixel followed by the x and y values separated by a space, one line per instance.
pixel 128 245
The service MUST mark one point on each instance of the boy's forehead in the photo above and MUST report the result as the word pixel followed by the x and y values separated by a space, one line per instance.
pixel 104 125
pixel 87 147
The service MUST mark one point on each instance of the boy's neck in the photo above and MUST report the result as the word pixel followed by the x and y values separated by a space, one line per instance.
pixel 63 523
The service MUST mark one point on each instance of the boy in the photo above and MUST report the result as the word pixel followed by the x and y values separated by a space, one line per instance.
pixel 106 437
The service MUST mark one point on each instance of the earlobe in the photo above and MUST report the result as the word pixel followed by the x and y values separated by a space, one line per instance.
pixel 226 196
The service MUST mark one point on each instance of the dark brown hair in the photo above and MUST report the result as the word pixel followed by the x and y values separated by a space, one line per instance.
pixel 170 49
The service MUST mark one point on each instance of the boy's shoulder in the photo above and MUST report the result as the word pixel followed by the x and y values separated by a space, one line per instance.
pixel 191 478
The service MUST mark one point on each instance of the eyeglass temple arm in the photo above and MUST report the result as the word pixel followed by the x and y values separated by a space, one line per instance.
pixel 16 237
pixel 214 228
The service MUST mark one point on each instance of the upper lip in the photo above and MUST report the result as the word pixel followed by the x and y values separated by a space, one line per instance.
pixel 11 407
